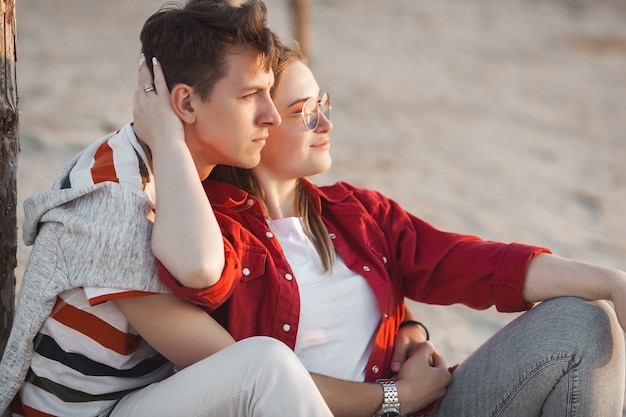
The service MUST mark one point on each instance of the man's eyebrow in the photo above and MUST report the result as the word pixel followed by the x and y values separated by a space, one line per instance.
pixel 250 87
pixel 257 86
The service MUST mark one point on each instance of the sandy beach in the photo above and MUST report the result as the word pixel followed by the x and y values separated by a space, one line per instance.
pixel 506 120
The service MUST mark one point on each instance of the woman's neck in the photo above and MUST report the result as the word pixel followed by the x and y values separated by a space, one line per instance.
pixel 280 198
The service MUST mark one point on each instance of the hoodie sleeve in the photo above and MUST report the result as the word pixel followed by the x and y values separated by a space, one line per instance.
pixel 102 236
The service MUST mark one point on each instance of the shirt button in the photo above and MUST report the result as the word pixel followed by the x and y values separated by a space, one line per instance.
pixel 245 272
pixel 384 259
pixel 332 235
pixel 366 268
pixel 385 316
pixel 375 369
pixel 250 202
pixel 288 277
pixel 269 234
pixel 286 327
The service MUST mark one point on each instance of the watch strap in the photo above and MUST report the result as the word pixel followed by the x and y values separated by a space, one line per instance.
pixel 391 403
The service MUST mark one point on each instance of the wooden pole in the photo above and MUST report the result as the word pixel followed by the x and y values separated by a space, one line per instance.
pixel 302 16
pixel 9 149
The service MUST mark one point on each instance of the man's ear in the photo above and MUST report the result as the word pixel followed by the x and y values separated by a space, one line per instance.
pixel 180 98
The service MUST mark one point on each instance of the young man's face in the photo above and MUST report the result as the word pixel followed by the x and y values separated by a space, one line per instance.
pixel 232 125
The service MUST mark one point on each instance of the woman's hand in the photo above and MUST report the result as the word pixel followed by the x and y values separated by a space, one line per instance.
pixel 407 340
pixel 618 296
pixel 155 122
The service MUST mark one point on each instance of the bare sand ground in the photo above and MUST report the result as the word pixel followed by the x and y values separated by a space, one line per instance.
pixel 502 119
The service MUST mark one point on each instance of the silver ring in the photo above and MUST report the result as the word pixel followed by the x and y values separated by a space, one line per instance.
pixel 148 88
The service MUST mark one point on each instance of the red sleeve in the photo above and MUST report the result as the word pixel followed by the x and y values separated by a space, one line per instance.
pixel 212 297
pixel 438 267
pixel 510 274
pixel 447 268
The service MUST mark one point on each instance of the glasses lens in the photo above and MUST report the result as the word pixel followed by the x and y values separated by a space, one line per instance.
pixel 310 114
pixel 326 105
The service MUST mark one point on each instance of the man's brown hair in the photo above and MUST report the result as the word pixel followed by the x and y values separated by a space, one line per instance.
pixel 192 41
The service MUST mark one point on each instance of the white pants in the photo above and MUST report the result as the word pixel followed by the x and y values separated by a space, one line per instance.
pixel 258 377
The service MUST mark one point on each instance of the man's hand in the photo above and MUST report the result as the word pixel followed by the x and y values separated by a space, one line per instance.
pixel 422 379
pixel 155 121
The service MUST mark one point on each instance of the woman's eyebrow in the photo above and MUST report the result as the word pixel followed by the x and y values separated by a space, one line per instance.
pixel 300 100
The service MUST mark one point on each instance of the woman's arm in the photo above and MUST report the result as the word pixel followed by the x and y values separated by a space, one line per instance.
pixel 186 237
pixel 550 276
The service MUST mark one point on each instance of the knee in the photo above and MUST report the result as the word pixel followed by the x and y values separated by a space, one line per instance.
pixel 272 358
pixel 592 318
pixel 271 350
pixel 593 324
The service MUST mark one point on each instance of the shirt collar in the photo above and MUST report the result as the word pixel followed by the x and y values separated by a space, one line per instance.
pixel 224 195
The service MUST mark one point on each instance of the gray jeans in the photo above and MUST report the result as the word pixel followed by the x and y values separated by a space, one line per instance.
pixel 565 358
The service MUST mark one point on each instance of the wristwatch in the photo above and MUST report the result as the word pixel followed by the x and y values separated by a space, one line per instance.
pixel 391 404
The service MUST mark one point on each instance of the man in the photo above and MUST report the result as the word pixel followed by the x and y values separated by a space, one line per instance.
pixel 95 333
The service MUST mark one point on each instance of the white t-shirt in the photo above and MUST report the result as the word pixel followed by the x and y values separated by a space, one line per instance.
pixel 339 315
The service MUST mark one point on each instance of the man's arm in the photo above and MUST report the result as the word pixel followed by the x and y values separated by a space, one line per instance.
pixel 183 213
pixel 185 334
pixel 182 332
pixel 349 399
pixel 420 382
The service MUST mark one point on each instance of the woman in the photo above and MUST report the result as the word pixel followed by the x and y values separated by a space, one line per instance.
pixel 356 255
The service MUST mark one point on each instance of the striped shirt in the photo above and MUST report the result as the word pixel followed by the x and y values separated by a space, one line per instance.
pixel 86 355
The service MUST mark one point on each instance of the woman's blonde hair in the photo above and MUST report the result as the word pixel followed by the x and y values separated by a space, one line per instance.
pixel 306 210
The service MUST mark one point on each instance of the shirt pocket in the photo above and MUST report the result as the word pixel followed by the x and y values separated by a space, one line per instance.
pixel 253 259
pixel 379 249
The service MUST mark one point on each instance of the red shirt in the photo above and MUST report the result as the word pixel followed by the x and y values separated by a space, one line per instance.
pixel 398 254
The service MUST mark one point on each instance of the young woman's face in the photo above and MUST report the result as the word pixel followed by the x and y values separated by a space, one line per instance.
pixel 292 151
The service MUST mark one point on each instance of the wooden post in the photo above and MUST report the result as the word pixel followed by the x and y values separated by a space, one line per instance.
pixel 302 15
pixel 9 148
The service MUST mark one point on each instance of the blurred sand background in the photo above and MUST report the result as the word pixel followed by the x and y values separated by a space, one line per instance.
pixel 502 119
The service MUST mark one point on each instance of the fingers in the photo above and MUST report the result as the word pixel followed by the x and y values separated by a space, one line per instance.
pixel 144 76
pixel 438 361
pixel 154 80
pixel 400 353
pixel 159 77
pixel 403 348
pixel 151 81
pixel 426 353
pixel 420 382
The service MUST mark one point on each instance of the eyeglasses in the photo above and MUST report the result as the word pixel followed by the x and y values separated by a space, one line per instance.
pixel 311 111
